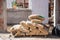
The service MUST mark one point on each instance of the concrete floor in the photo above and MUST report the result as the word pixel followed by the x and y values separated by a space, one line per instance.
pixel 5 36
pixel 30 39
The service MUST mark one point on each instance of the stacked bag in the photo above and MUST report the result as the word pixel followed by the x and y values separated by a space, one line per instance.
pixel 32 27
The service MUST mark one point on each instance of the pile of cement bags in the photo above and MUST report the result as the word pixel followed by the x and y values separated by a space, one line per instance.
pixel 32 27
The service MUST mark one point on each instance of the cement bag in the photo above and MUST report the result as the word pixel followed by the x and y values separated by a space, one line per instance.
pixel 36 17
pixel 17 29
pixel 30 25
pixel 36 21
pixel 24 24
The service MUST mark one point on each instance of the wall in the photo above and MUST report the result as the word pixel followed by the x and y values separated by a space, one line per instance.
pixel 57 12
pixel 3 26
pixel 37 6
pixel 40 7
pixel 15 16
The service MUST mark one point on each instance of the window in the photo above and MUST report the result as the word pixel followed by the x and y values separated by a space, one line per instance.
pixel 17 3
pixel 22 3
